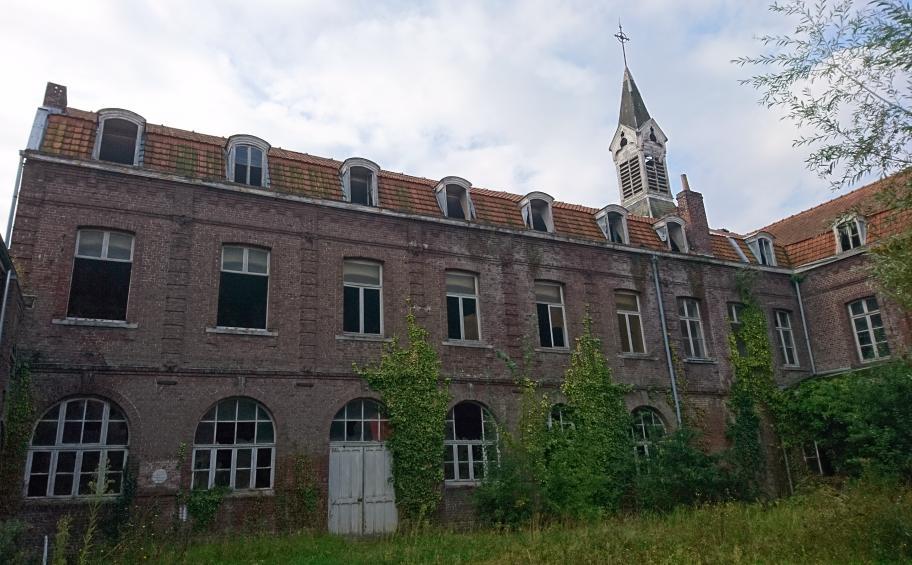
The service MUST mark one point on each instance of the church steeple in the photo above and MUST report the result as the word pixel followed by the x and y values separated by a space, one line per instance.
pixel 638 151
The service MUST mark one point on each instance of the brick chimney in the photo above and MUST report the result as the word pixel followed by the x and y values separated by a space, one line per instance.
pixel 691 210
pixel 55 96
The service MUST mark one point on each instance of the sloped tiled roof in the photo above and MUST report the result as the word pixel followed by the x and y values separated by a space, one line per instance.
pixel 202 157
pixel 808 235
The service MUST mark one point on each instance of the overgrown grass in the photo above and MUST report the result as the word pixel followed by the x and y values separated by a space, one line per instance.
pixel 866 522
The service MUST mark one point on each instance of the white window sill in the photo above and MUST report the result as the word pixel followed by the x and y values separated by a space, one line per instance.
pixel 559 350
pixel 250 493
pixel 364 337
pixel 467 343
pixel 241 331
pixel 701 361
pixel 461 484
pixel 640 356
pixel 89 322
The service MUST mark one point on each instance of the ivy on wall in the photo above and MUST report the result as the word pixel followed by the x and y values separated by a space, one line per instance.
pixel 20 416
pixel 408 382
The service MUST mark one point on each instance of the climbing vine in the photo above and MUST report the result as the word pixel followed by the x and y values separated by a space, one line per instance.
pixel 20 417
pixel 203 504
pixel 754 394
pixel 408 382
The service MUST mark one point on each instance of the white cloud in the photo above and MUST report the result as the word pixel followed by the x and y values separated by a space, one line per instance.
pixel 512 96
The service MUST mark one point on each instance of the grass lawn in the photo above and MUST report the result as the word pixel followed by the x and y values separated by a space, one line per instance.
pixel 866 523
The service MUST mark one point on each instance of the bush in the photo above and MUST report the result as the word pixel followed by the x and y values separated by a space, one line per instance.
pixel 11 533
pixel 678 473
pixel 860 420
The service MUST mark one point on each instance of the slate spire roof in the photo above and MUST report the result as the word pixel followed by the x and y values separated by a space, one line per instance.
pixel 633 109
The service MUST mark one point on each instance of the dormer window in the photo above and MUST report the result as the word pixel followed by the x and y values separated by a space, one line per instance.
pixel 850 233
pixel 762 247
pixel 454 199
pixel 247 160
pixel 119 136
pixel 671 232
pixel 536 210
pixel 359 181
pixel 613 222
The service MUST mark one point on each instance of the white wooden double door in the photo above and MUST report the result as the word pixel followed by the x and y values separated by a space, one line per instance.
pixel 361 495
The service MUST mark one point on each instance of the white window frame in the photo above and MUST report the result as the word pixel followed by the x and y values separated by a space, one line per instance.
pixel 551 305
pixel 244 271
pixel 343 416
pixel 866 315
pixel 361 288
pixel 672 227
pixel 345 179
pixel 80 448
pixel 641 441
pixel 563 420
pixel 604 219
pixel 460 297
pixel 627 314
pixel 120 114
pixel 487 446
pixel 441 193
pixel 106 238
pixel 845 223
pixel 786 337
pixel 763 249
pixel 213 448
pixel 525 206
pixel 689 338
pixel 250 141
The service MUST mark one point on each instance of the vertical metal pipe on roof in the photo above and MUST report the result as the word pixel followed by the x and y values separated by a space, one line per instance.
pixel 671 370
pixel 12 212
pixel 807 336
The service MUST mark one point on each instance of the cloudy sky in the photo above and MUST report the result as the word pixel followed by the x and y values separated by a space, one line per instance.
pixel 514 96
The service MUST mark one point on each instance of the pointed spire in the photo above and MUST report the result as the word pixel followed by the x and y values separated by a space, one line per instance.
pixel 633 109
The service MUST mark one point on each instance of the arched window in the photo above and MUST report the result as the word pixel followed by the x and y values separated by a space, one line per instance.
pixel 359 181
pixel 454 199
pixel 762 246
pixel 247 160
pixel 536 211
pixel 119 136
pixel 79 448
pixel 469 443
pixel 612 220
pixel 234 446
pixel 360 420
pixel 647 428
pixel 559 418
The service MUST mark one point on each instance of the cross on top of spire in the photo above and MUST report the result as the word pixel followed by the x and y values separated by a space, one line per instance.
pixel 622 39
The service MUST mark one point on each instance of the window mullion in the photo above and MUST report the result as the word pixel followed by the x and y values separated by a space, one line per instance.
pixel 212 453
pixel 462 333
pixel 361 309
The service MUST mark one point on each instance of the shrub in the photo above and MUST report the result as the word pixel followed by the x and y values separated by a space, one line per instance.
pixel 11 550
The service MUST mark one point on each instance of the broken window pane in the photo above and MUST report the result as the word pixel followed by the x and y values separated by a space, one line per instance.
pixel 118 141
pixel 455 208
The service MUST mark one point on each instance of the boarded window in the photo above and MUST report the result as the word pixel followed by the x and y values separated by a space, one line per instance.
pixel 462 306
pixel 362 296
pixel 361 186
pixel 549 306
pixel 118 141
pixel 243 287
pixel 101 275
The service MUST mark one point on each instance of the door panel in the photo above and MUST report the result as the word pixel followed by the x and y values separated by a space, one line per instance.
pixel 379 495
pixel 361 495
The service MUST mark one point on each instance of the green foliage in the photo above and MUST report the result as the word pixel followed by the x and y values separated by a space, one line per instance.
pixel 842 77
pixel 891 266
pixel 20 416
pixel 297 499
pixel 119 514
pixel 61 540
pixel 203 504
pixel 601 444
pixel 408 382
pixel 679 473
pixel 12 550
pixel 860 420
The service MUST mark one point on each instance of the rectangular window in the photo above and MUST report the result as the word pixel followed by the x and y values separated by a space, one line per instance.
pixel 118 141
pixel 868 327
pixel 462 306
pixel 848 235
pixel 786 339
pixel 691 328
pixel 362 311
pixel 734 319
pixel 549 304
pixel 243 287
pixel 248 165
pixel 101 275
pixel 629 326
pixel 360 185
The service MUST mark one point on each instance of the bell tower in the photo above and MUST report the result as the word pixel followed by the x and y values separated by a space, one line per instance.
pixel 638 151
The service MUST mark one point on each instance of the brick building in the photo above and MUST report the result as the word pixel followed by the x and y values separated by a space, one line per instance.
pixel 188 289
